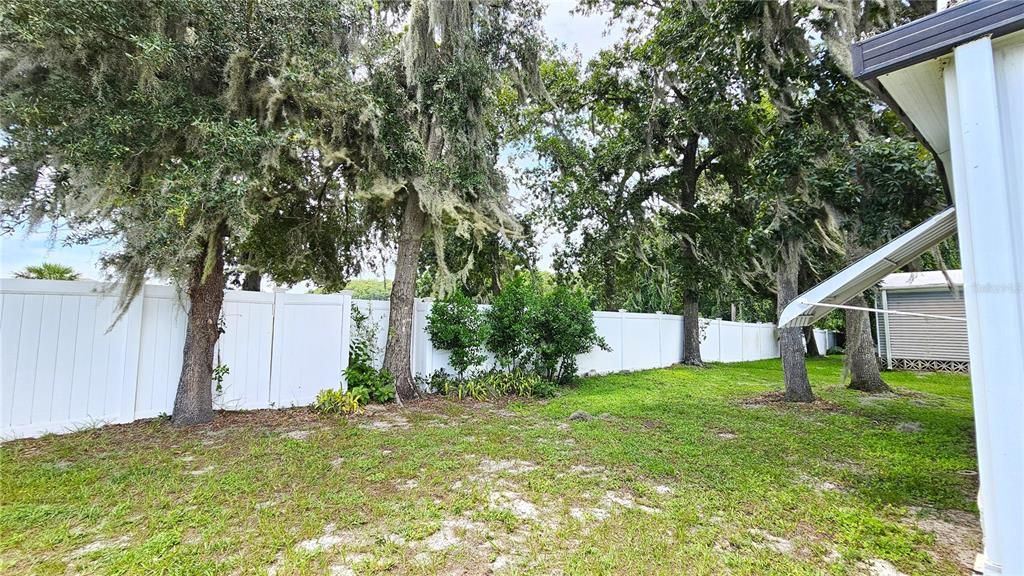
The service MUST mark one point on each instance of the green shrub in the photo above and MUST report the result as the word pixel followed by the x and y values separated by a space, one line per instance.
pixel 456 325
pixel 510 323
pixel 333 401
pixel 562 328
pixel 376 385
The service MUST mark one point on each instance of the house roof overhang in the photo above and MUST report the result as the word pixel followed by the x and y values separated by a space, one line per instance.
pixel 903 66
pixel 868 271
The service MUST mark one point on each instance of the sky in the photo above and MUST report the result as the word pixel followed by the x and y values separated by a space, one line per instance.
pixel 585 35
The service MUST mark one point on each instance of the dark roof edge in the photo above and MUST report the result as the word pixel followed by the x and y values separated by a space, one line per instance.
pixel 934 35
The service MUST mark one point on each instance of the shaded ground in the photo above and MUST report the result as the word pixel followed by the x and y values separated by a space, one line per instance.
pixel 680 471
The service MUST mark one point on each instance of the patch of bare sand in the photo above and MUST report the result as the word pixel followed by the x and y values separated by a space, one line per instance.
pixel 957 533
pixel 385 421
pixel 297 434
pixel 765 539
pixel 493 467
pixel 879 567
pixel 119 542
pixel 331 538
pixel 454 532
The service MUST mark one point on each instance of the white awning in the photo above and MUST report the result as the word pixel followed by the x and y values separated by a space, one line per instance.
pixel 869 270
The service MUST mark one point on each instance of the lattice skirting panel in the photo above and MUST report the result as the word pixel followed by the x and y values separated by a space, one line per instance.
pixel 914 365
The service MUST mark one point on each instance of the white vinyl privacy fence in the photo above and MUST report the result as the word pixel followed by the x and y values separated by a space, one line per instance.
pixel 64 367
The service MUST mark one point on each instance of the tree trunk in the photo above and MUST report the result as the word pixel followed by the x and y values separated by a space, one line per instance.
pixel 251 281
pixel 691 329
pixel 860 351
pixel 193 402
pixel 812 342
pixel 609 281
pixel 791 340
pixel 397 355
pixel 687 202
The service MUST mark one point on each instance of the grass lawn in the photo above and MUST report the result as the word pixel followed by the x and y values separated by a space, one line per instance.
pixel 680 471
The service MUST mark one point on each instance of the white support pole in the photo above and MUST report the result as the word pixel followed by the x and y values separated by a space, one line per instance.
pixel 661 360
pixel 425 346
pixel 719 320
pixel 622 339
pixel 888 331
pixel 346 334
pixel 986 145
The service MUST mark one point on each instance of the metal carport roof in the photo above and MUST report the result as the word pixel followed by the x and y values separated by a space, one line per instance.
pixel 869 270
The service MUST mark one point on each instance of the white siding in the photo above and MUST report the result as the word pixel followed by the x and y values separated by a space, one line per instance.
pixel 917 338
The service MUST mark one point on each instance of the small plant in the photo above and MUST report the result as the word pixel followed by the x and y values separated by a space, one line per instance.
pixel 456 325
pixel 438 382
pixel 377 385
pixel 475 388
pixel 333 401
pixel 517 384
pixel 361 394
pixel 220 371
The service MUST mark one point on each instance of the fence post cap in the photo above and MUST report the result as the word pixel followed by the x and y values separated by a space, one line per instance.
pixel 622 310
pixel 345 292
pixel 659 312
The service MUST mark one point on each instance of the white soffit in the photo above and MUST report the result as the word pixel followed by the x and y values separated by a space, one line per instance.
pixel 921 93
pixel 868 271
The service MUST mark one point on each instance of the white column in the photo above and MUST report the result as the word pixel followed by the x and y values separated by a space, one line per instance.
pixel 888 330
pixel 661 359
pixel 346 334
pixel 622 339
pixel 986 124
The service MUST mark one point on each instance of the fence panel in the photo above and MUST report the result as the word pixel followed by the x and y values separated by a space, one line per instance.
pixel 750 343
pixel 710 340
pixel 609 327
pixel 823 338
pixel 377 315
pixel 309 351
pixel 769 342
pixel 731 342
pixel 245 348
pixel 164 316
pixel 641 347
pixel 671 339
pixel 62 368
